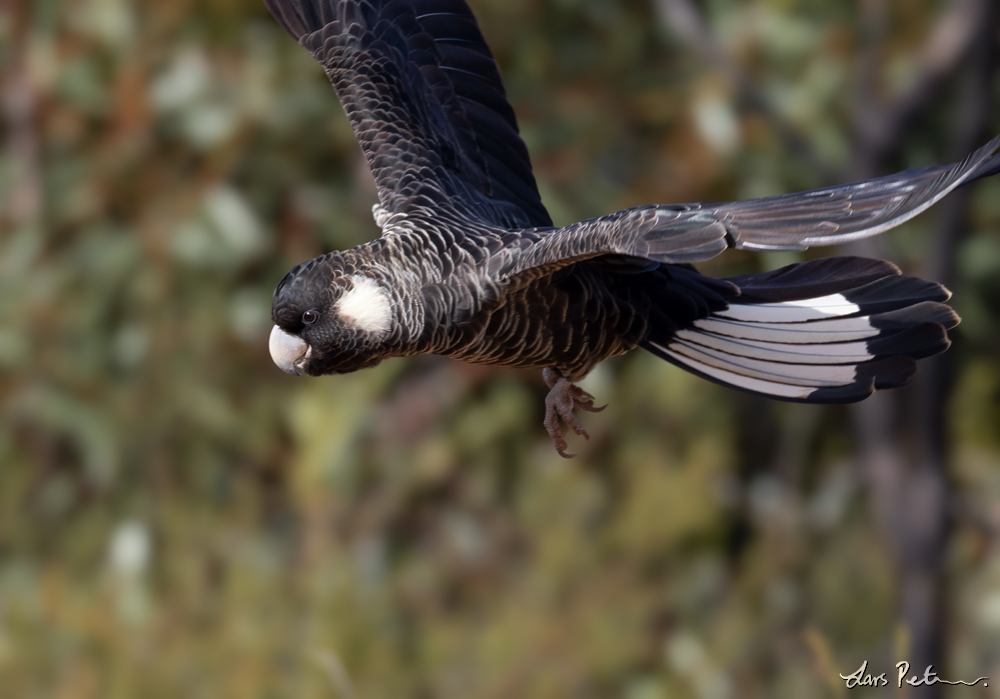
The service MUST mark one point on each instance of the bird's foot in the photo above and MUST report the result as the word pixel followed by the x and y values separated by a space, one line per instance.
pixel 563 398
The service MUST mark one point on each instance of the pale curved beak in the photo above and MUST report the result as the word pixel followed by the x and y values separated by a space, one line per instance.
pixel 287 351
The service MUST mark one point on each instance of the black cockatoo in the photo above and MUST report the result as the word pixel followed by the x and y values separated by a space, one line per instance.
pixel 470 266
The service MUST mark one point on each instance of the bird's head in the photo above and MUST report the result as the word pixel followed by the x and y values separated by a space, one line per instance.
pixel 328 318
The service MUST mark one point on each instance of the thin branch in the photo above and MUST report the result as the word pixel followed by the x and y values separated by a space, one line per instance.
pixel 335 671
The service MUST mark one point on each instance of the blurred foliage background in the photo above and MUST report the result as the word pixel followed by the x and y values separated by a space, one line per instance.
pixel 179 518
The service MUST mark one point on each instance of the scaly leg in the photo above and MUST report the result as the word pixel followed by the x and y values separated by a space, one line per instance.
pixel 563 398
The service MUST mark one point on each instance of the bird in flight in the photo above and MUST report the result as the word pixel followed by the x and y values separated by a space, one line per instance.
pixel 470 266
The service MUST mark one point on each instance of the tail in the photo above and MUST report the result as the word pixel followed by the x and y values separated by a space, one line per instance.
pixel 827 331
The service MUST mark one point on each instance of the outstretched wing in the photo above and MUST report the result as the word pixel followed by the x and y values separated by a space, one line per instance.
pixel 425 98
pixel 684 233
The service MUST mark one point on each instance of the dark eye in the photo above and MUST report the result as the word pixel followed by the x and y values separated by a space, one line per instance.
pixel 309 317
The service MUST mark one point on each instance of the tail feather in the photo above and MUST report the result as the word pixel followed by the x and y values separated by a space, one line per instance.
pixel 812 279
pixel 827 331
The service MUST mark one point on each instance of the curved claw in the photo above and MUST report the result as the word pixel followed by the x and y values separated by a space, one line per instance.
pixel 561 401
pixel 559 443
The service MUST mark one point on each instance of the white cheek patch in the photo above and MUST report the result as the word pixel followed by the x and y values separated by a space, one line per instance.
pixel 366 305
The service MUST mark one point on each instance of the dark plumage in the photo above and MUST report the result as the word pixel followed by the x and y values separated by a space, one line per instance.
pixel 469 265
